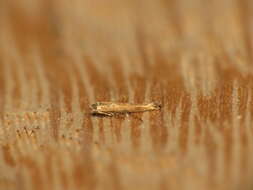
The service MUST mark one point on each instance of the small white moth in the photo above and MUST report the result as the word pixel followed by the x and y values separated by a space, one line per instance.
pixel 111 108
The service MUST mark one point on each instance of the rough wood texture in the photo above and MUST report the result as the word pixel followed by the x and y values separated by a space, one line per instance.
pixel 193 56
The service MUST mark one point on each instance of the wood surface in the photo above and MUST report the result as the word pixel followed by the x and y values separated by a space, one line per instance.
pixel 194 57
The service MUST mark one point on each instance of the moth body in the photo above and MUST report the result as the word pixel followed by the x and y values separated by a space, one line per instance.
pixel 111 108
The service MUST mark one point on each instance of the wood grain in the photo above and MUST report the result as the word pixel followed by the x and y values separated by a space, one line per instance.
pixel 58 57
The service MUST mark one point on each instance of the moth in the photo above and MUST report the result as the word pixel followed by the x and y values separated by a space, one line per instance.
pixel 112 108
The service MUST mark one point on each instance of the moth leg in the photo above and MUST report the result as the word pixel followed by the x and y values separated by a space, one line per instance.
pixel 104 113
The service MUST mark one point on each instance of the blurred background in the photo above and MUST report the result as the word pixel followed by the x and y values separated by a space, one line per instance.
pixel 192 56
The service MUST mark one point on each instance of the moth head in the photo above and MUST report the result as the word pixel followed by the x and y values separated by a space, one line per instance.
pixel 156 106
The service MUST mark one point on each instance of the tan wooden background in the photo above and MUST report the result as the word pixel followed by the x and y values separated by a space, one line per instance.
pixel 192 56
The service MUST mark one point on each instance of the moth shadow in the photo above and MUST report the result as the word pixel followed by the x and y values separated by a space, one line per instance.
pixel 100 115
pixel 117 116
